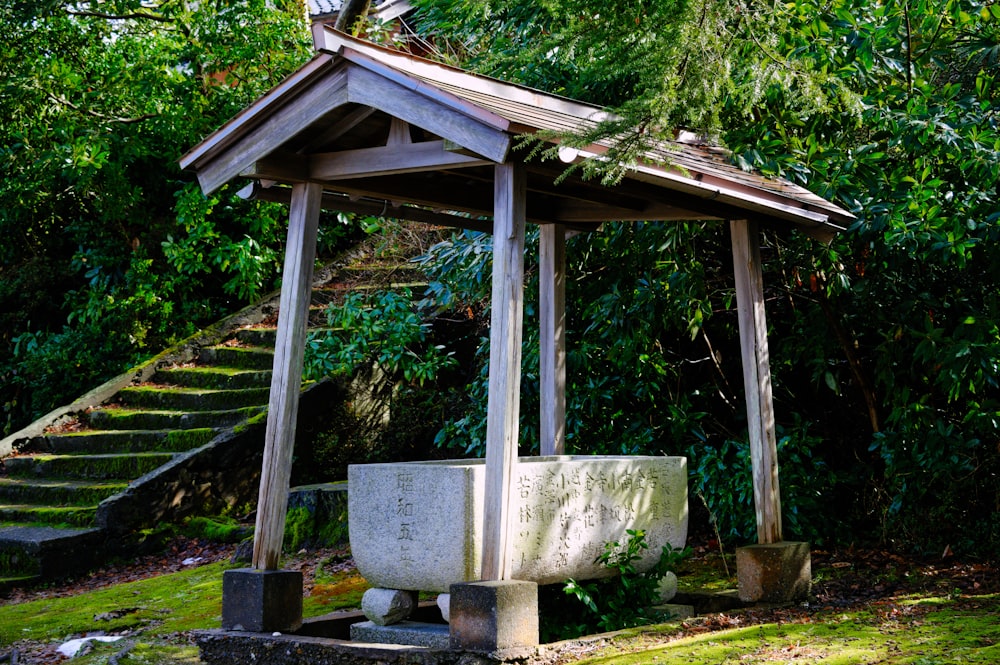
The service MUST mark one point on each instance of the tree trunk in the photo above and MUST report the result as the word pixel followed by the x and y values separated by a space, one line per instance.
pixel 352 16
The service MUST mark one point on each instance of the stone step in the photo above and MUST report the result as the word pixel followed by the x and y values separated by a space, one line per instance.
pixel 253 357
pixel 258 336
pixel 122 441
pixel 191 399
pixel 56 492
pixel 214 377
pixel 49 552
pixel 77 516
pixel 106 467
pixel 117 419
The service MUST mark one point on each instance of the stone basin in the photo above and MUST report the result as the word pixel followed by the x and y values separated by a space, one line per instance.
pixel 418 525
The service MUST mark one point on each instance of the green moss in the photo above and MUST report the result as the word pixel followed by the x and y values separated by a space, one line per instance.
pixel 921 632
pixel 14 563
pixel 188 439
pixel 339 591
pixel 299 528
pixel 160 606
pixel 219 529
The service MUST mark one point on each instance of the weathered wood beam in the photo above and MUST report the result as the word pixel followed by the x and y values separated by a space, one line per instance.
pixel 757 379
pixel 286 379
pixel 552 338
pixel 582 211
pixel 388 160
pixel 505 366
pixel 399 132
pixel 275 130
pixel 344 125
pixel 408 101
pixel 377 208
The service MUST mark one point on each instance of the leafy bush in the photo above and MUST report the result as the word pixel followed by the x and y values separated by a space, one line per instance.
pixel 623 601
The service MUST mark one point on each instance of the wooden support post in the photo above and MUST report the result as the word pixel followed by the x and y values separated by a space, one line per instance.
pixel 509 189
pixel 552 336
pixel 757 379
pixel 286 380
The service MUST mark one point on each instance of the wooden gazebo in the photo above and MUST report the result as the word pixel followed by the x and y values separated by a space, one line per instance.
pixel 364 128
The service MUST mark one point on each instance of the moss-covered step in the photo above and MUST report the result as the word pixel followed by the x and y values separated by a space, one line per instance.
pixel 191 399
pixel 254 357
pixel 97 442
pixel 79 516
pixel 106 467
pixel 220 378
pixel 114 418
pixel 48 552
pixel 257 336
pixel 56 492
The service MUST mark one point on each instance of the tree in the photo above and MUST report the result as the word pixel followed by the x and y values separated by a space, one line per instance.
pixel 107 245
pixel 885 344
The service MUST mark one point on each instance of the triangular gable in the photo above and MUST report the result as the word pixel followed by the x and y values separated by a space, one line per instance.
pixel 317 126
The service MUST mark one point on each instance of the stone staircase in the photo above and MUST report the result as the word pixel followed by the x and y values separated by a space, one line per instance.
pixel 181 434
pixel 52 488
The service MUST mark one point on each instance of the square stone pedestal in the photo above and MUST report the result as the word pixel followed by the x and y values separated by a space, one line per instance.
pixel 262 601
pixel 494 616
pixel 774 573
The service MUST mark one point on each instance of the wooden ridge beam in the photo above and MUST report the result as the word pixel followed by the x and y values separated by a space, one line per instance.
pixel 388 160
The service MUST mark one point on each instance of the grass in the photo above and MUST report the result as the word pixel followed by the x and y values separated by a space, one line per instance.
pixel 938 626
pixel 913 631
pixel 156 615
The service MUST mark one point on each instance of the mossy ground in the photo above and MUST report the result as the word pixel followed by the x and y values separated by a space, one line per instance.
pixel 919 631
pixel 930 617
pixel 156 615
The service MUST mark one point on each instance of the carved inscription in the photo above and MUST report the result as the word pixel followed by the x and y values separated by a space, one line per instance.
pixel 565 515
pixel 405 522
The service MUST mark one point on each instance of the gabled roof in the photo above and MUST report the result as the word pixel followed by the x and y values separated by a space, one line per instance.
pixel 338 121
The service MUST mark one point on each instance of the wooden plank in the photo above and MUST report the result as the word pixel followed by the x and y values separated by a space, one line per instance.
pixel 286 381
pixel 371 89
pixel 377 208
pixel 757 379
pixel 318 100
pixel 253 115
pixel 389 160
pixel 399 132
pixel 346 124
pixel 552 338
pixel 505 366
pixel 279 166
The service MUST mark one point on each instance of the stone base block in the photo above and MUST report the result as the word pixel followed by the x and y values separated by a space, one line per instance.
pixel 412 633
pixel 774 573
pixel 388 606
pixel 497 616
pixel 262 601
pixel 673 612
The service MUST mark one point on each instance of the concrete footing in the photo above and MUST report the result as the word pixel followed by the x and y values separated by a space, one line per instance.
pixel 494 616
pixel 262 601
pixel 774 573
pixel 412 633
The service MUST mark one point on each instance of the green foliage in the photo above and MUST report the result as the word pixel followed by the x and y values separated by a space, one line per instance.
pixel 380 330
pixel 623 601
pixel 883 344
pixel 119 252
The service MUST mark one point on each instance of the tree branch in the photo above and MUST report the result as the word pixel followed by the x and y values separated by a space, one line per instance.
pixel 121 17
pixel 113 118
